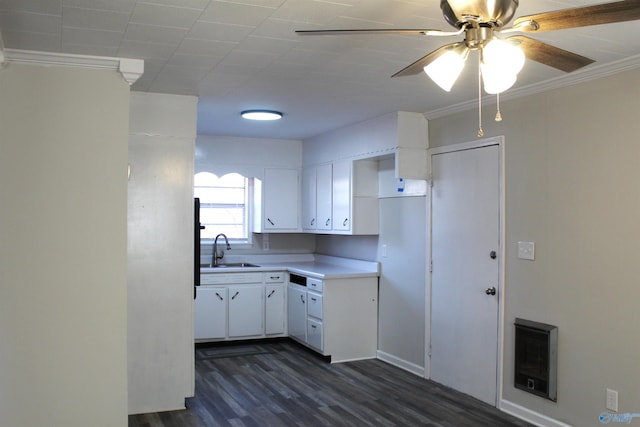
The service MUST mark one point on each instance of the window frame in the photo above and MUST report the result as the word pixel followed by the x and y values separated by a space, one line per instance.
pixel 245 242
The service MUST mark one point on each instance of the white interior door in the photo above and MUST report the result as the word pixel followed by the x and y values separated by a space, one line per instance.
pixel 465 233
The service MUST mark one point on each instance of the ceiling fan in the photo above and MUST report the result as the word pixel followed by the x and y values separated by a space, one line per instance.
pixel 482 21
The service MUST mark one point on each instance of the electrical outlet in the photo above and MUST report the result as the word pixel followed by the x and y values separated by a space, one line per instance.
pixel 612 400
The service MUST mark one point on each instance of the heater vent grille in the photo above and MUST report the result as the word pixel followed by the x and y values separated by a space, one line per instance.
pixel 536 358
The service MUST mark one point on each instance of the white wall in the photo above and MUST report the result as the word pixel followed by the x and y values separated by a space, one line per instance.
pixel 401 323
pixel 572 174
pixel 160 252
pixel 247 156
pixel 250 157
pixel 63 201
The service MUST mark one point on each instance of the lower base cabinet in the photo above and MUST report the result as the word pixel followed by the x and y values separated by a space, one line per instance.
pixel 274 309
pixel 210 313
pixel 246 311
pixel 336 317
pixel 232 306
pixel 297 312
pixel 314 334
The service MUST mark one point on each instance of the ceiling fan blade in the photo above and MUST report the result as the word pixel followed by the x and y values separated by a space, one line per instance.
pixel 606 13
pixel 550 55
pixel 418 66
pixel 417 32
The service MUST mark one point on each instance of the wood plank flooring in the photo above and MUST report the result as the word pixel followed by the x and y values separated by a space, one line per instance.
pixel 281 383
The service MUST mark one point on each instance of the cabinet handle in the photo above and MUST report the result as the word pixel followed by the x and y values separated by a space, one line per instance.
pixel 313 299
pixel 313 221
pixel 270 222
pixel 313 326
pixel 344 223
pixel 218 295
pixel 302 298
pixel 271 293
pixel 327 222
pixel 235 295
pixel 274 277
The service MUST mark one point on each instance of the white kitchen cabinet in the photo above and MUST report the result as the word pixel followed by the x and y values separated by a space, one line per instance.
pixel 274 303
pixel 210 313
pixel 276 201
pixel 350 318
pixel 309 206
pixel 297 312
pixel 341 196
pixel 346 197
pixel 274 309
pixel 245 310
pixel 232 306
pixel 315 334
pixel 324 191
pixel 336 317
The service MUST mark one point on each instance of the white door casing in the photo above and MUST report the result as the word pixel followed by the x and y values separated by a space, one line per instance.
pixel 466 227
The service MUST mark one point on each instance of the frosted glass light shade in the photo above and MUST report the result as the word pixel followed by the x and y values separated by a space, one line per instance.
pixel 501 63
pixel 496 80
pixel 261 115
pixel 498 53
pixel 444 71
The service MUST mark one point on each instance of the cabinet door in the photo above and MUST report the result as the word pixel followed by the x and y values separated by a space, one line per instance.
pixel 314 305
pixel 274 309
pixel 245 310
pixel 210 313
pixel 323 196
pixel 315 335
pixel 341 197
pixel 309 221
pixel 297 312
pixel 281 198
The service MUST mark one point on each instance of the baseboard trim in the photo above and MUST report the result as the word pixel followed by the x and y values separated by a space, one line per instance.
pixel 529 415
pixel 401 363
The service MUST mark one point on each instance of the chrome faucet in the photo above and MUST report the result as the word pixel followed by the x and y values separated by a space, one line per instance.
pixel 216 257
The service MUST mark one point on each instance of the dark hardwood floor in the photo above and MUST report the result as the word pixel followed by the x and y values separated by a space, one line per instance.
pixel 281 383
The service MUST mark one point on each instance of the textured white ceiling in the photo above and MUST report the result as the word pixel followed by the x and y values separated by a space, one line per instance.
pixel 241 54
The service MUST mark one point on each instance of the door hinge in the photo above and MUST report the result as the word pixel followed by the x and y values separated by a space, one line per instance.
pixel 430 266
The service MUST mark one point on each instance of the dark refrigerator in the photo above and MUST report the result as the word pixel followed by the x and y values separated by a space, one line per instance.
pixel 196 245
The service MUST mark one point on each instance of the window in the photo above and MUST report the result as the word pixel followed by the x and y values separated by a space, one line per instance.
pixel 224 205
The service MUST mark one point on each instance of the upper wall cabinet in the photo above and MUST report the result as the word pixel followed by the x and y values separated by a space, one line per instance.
pixel 276 202
pixel 341 197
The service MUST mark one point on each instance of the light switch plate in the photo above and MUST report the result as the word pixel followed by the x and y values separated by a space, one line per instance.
pixel 612 400
pixel 526 250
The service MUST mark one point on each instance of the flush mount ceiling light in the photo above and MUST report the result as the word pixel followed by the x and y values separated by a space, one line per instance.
pixel 261 115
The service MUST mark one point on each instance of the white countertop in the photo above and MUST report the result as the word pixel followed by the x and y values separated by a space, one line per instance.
pixel 317 266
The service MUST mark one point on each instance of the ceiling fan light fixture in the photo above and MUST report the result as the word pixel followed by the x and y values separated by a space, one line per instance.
pixel 504 55
pixel 261 115
pixel 446 69
pixel 496 80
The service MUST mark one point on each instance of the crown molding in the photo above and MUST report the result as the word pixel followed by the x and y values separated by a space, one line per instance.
pixel 580 76
pixel 130 69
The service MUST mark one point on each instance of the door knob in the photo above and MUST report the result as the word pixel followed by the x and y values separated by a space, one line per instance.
pixel 490 291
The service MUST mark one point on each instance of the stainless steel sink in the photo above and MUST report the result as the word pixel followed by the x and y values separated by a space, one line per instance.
pixel 231 265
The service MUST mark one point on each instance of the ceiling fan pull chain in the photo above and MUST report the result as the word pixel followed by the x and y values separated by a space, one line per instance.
pixel 480 131
pixel 498 115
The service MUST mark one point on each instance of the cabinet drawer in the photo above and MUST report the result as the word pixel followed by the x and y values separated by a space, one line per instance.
pixel 314 284
pixel 314 334
pixel 314 305
pixel 274 277
pixel 230 278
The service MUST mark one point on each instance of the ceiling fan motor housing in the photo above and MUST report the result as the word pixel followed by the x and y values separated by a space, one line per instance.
pixel 496 13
